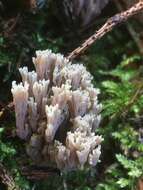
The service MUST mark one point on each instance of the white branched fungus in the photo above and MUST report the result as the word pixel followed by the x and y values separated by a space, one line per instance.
pixel 57 112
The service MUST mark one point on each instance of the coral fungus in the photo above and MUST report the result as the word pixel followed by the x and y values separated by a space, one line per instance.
pixel 57 112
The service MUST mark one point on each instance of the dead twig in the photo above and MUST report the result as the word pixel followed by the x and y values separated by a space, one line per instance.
pixel 39 173
pixel 9 107
pixel 107 27
pixel 133 100
pixel 7 179
pixel 134 34
pixel 11 24
pixel 140 184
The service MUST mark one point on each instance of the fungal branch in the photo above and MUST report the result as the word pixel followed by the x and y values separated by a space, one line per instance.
pixel 107 27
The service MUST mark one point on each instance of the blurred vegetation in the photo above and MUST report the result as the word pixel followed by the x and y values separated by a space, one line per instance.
pixel 116 65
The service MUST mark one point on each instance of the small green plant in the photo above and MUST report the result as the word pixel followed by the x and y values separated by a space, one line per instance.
pixel 123 104
pixel 8 158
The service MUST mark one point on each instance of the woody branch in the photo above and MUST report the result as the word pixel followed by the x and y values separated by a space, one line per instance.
pixel 107 27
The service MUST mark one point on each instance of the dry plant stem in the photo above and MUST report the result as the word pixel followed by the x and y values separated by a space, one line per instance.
pixel 9 107
pixel 7 179
pixel 130 28
pixel 124 111
pixel 140 184
pixel 12 24
pixel 133 99
pixel 107 27
pixel 38 173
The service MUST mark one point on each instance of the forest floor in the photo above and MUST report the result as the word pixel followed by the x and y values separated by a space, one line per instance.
pixel 114 61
